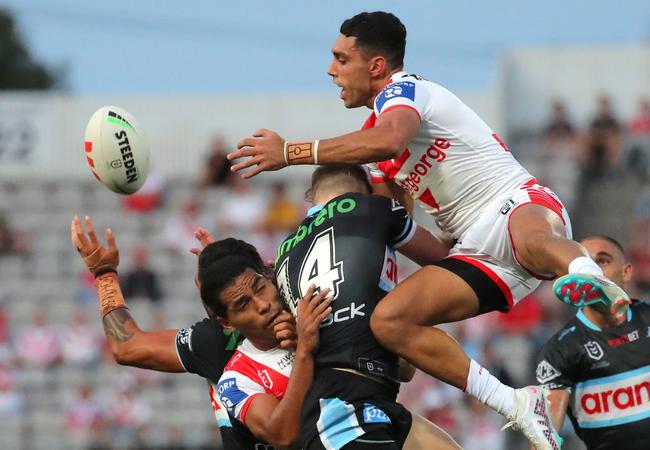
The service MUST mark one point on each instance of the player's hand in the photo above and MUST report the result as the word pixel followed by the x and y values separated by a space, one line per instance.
pixel 90 248
pixel 265 152
pixel 284 327
pixel 312 310
pixel 204 237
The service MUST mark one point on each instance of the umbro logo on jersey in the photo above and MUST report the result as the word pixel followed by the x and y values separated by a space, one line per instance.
pixel 546 372
pixel 594 350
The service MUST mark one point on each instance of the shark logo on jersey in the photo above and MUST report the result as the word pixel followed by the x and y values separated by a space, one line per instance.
pixel 594 350
pixel 546 372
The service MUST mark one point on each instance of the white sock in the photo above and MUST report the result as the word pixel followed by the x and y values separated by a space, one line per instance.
pixel 487 389
pixel 584 264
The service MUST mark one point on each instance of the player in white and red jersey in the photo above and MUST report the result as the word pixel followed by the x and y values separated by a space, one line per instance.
pixel 509 229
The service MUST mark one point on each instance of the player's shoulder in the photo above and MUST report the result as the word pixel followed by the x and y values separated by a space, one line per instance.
pixel 566 337
pixel 641 307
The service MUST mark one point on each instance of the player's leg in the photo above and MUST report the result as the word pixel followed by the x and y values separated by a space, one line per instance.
pixel 424 435
pixel 542 245
pixel 403 321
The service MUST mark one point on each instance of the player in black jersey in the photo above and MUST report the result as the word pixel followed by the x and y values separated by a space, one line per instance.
pixel 203 348
pixel 598 365
pixel 346 244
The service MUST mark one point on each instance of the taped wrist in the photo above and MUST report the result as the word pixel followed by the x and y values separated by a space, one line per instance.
pixel 109 292
pixel 301 153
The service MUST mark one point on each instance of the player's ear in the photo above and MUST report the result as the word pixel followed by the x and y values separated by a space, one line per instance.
pixel 377 66
pixel 627 272
pixel 225 324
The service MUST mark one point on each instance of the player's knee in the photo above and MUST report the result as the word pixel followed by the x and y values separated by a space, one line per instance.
pixel 386 326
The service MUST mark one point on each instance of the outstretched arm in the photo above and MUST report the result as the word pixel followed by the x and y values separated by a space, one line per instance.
pixel 266 150
pixel 130 345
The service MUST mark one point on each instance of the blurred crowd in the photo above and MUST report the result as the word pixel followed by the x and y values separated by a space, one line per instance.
pixel 600 169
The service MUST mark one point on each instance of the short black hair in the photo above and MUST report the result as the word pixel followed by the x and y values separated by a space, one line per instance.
pixel 219 264
pixel 609 239
pixel 378 33
pixel 346 175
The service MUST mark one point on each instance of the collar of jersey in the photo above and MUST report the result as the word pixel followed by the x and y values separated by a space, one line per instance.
pixel 589 324
pixel 314 210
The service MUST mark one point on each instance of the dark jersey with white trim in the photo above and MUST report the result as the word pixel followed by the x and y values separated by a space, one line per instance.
pixel 204 349
pixel 608 374
pixel 347 246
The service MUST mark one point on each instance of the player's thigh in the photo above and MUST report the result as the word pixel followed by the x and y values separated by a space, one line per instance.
pixel 532 218
pixel 424 435
pixel 429 296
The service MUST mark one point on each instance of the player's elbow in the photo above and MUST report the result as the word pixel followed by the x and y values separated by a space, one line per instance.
pixel 123 355
pixel 282 438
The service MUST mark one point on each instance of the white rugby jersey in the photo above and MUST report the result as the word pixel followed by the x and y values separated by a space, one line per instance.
pixel 456 164
pixel 251 372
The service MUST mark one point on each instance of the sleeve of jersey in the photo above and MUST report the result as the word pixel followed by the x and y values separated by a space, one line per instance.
pixel 402 94
pixel 203 349
pixel 554 367
pixel 401 227
pixel 236 392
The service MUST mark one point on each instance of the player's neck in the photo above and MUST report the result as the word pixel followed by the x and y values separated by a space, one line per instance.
pixel 263 344
pixel 597 318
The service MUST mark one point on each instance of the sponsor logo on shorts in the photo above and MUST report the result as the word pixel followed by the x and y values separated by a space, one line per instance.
pixel 372 414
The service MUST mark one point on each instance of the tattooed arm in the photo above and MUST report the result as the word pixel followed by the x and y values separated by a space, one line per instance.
pixel 130 345
pixel 133 347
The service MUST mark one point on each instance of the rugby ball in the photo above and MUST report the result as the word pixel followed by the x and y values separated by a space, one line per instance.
pixel 117 150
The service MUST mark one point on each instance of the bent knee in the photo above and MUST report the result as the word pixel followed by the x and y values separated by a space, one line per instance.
pixel 386 326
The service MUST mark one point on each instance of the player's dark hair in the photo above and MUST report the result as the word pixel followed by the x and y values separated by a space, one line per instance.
pixel 219 264
pixel 378 33
pixel 609 239
pixel 338 176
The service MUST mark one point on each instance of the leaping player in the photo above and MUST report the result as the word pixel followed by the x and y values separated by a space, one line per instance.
pixel 421 140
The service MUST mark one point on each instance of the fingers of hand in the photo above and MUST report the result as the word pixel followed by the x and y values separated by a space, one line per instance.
pixel 78 236
pixel 256 171
pixel 245 164
pixel 195 251
pixel 91 232
pixel 285 335
pixel 110 238
pixel 289 344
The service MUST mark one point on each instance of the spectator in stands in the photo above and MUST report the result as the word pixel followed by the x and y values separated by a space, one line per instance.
pixel 603 141
pixel 141 281
pixel 282 214
pixel 81 342
pixel 640 123
pixel 85 292
pixel 217 167
pixel 150 197
pixel 12 241
pixel 485 427
pixel 83 414
pixel 4 319
pixel 559 127
pixel 128 415
pixel 242 209
pixel 178 233
pixel 11 400
pixel 38 343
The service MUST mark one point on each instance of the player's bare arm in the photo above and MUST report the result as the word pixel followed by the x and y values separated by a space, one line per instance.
pixel 559 399
pixel 425 248
pixel 129 344
pixel 266 151
pixel 278 421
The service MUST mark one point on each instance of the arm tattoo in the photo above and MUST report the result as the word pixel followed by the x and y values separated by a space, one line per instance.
pixel 114 325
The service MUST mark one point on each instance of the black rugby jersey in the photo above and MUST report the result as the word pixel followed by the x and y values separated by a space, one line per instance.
pixel 608 374
pixel 204 349
pixel 347 246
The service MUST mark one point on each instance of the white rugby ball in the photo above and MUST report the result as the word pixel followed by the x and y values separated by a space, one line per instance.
pixel 117 150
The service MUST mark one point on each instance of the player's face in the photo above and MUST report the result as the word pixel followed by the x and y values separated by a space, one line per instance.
pixel 252 303
pixel 350 70
pixel 610 259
